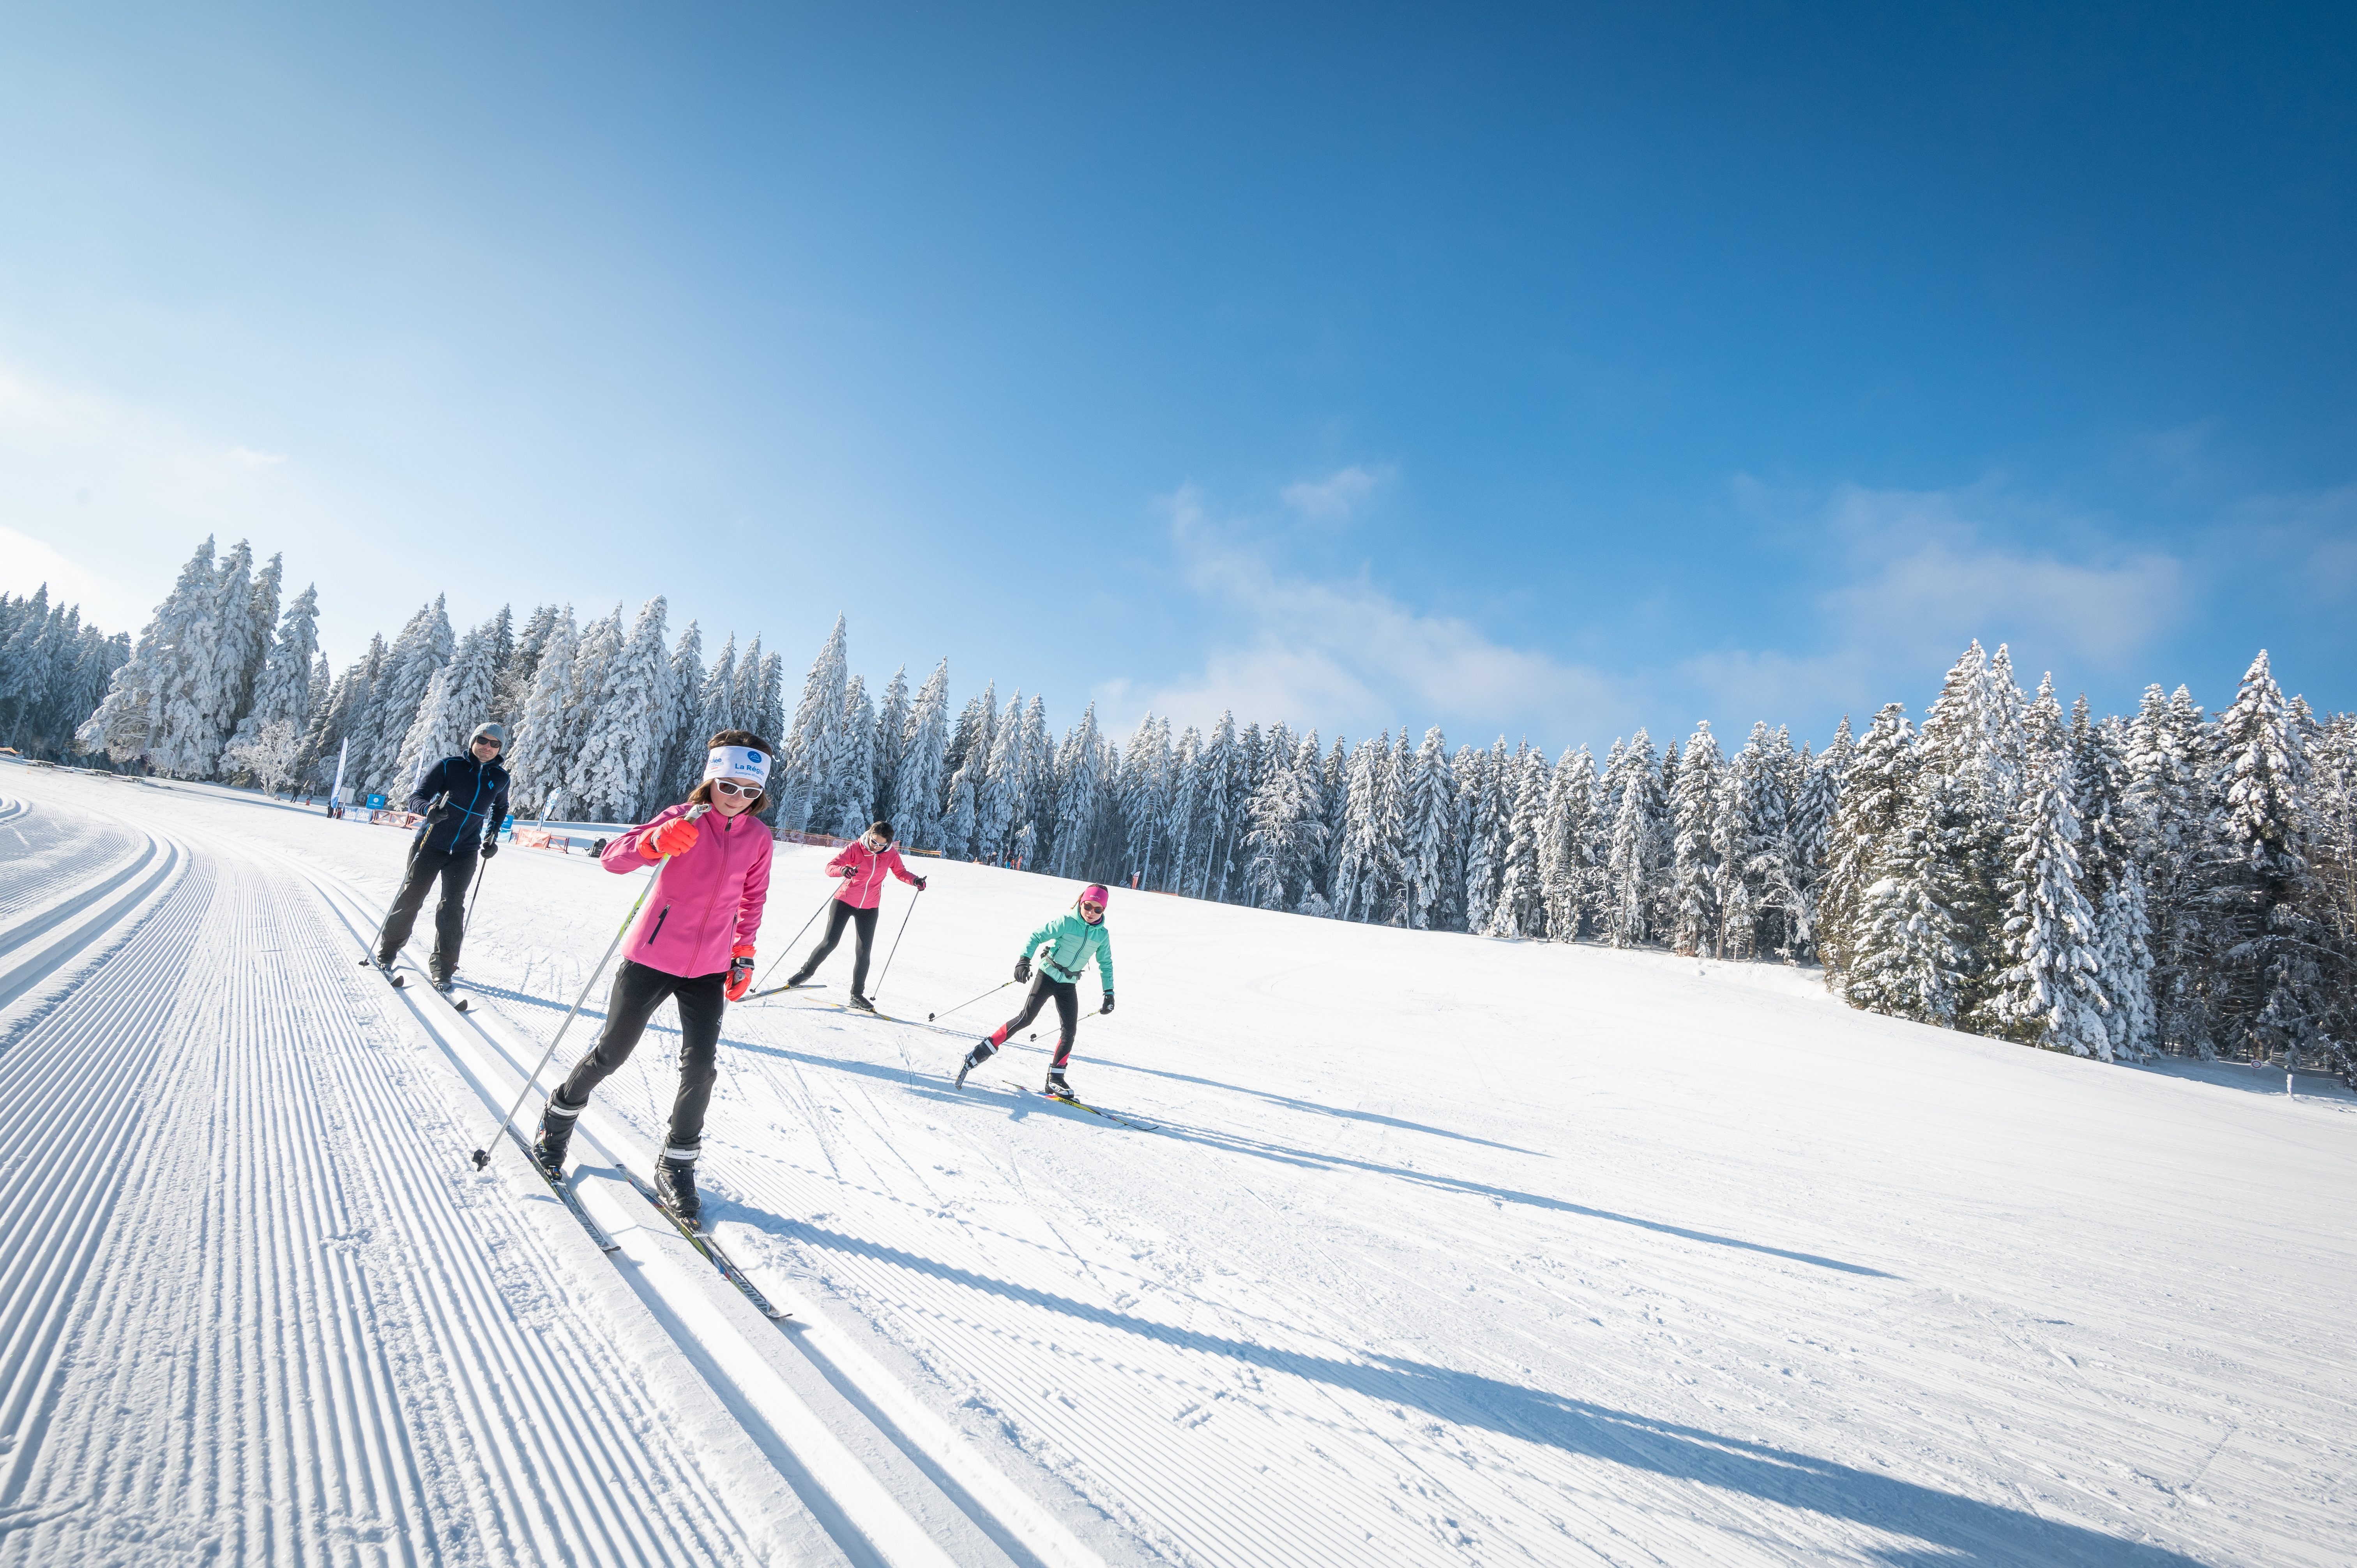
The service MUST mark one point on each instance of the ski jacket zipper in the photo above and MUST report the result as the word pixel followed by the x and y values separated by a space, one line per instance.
pixel 658 926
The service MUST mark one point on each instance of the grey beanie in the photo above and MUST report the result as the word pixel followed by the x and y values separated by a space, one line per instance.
pixel 492 727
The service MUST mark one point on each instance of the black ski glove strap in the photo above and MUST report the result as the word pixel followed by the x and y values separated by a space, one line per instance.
pixel 1108 1004
pixel 1023 967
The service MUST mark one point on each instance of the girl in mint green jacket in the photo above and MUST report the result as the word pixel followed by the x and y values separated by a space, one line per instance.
pixel 1070 939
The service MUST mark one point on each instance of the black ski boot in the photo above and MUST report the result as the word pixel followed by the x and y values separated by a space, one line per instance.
pixel 860 1003
pixel 1056 1084
pixel 555 1134
pixel 795 979
pixel 675 1190
pixel 981 1053
pixel 383 966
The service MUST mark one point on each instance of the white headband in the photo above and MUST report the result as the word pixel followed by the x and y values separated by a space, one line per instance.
pixel 737 762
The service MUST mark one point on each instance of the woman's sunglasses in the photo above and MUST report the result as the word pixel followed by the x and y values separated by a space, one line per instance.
pixel 727 788
pixel 1091 909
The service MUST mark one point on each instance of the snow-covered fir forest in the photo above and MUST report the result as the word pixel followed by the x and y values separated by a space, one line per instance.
pixel 2117 886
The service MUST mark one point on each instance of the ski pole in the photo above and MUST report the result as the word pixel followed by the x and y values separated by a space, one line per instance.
pixel 790 947
pixel 480 867
pixel 896 946
pixel 963 1005
pixel 483 1155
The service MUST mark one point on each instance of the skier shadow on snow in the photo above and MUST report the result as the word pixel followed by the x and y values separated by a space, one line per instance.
pixel 901 1078
pixel 1956 1530
pixel 1305 1159
pixel 1315 1108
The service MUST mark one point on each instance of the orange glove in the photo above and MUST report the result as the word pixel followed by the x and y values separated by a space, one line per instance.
pixel 740 972
pixel 676 836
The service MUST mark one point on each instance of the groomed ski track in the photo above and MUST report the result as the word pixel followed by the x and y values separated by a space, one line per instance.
pixel 255 1308
pixel 1442 1252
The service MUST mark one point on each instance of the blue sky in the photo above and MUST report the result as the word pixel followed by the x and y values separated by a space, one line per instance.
pixel 1546 369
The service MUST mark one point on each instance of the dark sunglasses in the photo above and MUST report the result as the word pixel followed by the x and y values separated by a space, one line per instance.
pixel 728 787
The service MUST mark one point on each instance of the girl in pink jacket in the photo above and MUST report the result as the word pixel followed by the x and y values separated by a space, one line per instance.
pixel 692 943
pixel 862 865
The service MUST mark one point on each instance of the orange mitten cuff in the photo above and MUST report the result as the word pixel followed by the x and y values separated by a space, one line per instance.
pixel 742 950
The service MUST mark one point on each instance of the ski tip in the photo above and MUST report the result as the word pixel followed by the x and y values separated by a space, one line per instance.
pixel 460 1004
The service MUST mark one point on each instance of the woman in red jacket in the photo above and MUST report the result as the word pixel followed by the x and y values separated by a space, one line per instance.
pixel 693 944
pixel 862 865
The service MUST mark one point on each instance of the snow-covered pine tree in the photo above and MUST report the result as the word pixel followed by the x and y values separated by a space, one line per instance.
pixel 811 751
pixel 1385 890
pixel 458 700
pixel 417 655
pixel 1874 794
pixel 1521 886
pixel 514 687
pixel 539 755
pixel 1286 830
pixel 1636 848
pixel 1178 824
pixel 710 704
pixel 1907 957
pixel 623 728
pixel 1471 768
pixel 2268 943
pixel 2110 882
pixel 344 714
pixel 891 741
pixel 1565 845
pixel 1077 798
pixel 156 701
pixel 918 779
pixel 249 618
pixel 1427 812
pixel 999 792
pixel 2167 799
pixel 282 692
pixel 593 661
pixel 2048 993
pixel 683 709
pixel 1334 776
pixel 1309 767
pixel 1034 801
pixel 1213 833
pixel 1144 800
pixel 1698 847
pixel 1815 800
pixel 2331 847
pixel 1351 877
pixel 972 738
pixel 851 794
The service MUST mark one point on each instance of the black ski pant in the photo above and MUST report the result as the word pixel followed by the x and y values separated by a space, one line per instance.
pixel 457 870
pixel 638 992
pixel 861 943
pixel 1068 1014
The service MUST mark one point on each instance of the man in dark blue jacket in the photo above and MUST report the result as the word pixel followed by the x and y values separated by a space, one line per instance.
pixel 462 797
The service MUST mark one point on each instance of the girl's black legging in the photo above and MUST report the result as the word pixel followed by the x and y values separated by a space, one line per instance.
pixel 1067 1012
pixel 638 992
pixel 860 944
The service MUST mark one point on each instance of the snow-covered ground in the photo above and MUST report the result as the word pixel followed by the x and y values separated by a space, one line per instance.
pixel 1441 1250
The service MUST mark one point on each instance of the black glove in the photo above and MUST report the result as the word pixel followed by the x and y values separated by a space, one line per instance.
pixel 848 872
pixel 921 885
pixel 490 849
pixel 1108 1007
pixel 1023 967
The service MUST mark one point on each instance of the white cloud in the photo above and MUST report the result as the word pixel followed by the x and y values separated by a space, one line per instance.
pixel 1339 496
pixel 247 458
pixel 1341 653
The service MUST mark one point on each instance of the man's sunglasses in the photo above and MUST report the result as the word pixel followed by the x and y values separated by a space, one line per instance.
pixel 729 787
pixel 486 740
